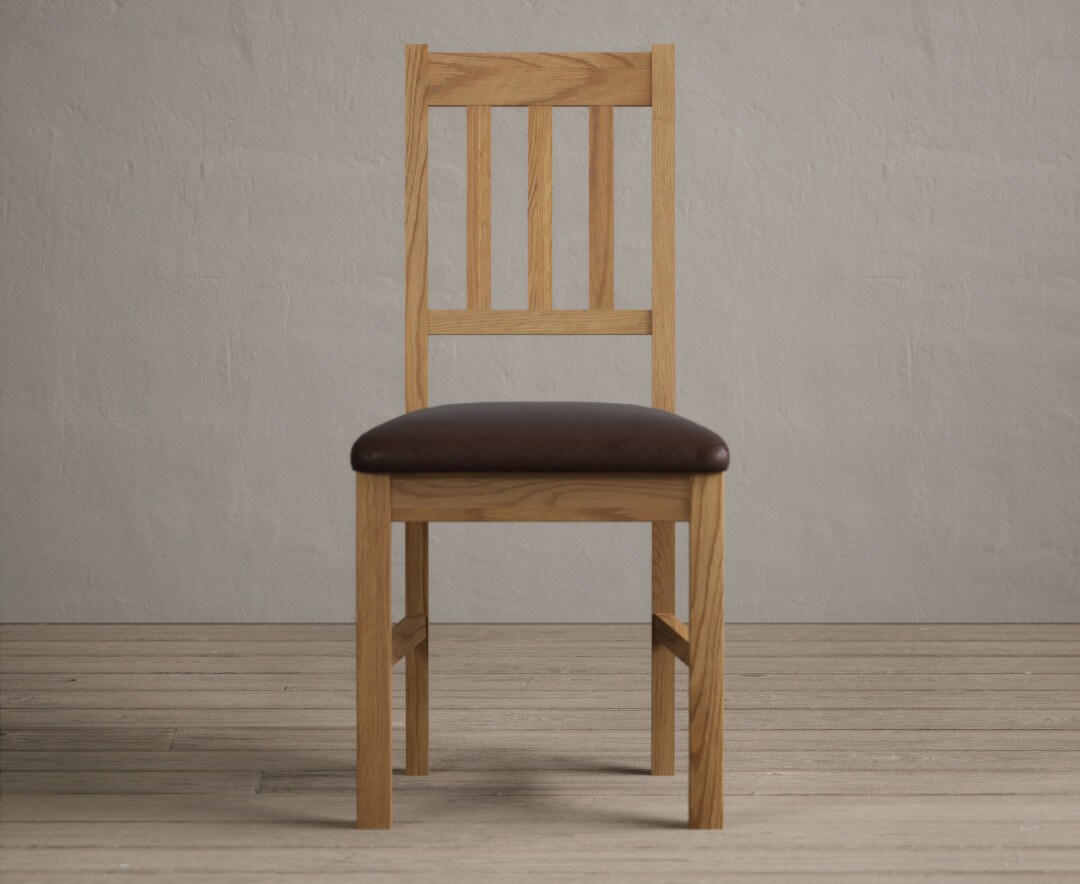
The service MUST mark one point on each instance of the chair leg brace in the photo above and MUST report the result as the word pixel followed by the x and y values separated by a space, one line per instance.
pixel 673 634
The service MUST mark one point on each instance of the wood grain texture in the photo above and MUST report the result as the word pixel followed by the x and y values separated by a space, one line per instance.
pixel 416 662
pixel 956 820
pixel 1028 720
pixel 540 216
pixel 707 651
pixel 1049 707
pixel 970 641
pixel 540 78
pixel 758 862
pixel 963 639
pixel 663 662
pixel 539 322
pixel 373 663
pixel 870 669
pixel 478 208
pixel 671 632
pixel 602 208
pixel 621 747
pixel 540 497
pixel 416 227
pixel 663 227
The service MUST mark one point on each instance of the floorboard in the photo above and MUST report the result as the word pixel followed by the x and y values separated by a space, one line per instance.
pixel 943 752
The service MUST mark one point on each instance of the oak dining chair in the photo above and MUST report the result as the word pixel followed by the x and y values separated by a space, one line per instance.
pixel 539 461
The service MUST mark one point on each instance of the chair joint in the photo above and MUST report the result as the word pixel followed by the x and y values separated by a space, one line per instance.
pixel 408 632
pixel 669 631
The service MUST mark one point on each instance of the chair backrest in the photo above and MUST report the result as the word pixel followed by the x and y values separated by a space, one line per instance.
pixel 540 80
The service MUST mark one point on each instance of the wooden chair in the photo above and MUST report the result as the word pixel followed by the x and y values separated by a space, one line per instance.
pixel 539 461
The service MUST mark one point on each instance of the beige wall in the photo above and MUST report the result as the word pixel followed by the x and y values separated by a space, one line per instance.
pixel 878 284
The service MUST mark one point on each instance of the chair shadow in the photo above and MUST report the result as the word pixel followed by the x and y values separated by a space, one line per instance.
pixel 517 777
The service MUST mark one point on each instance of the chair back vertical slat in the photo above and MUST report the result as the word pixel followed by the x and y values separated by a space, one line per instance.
pixel 663 226
pixel 416 227
pixel 478 208
pixel 602 207
pixel 540 207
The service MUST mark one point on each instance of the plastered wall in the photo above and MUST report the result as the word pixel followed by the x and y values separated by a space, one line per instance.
pixel 201 287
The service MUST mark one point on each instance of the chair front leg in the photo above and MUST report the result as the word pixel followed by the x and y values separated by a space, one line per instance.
pixel 663 661
pixel 416 661
pixel 707 651
pixel 373 652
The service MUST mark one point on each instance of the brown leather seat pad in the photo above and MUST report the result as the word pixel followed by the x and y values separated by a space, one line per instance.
pixel 539 437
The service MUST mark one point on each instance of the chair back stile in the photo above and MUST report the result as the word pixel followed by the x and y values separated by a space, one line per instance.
pixel 540 81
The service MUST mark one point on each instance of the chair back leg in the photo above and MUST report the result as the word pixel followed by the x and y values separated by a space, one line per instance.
pixel 416 661
pixel 663 661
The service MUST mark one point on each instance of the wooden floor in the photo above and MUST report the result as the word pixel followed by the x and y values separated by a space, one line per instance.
pixel 224 753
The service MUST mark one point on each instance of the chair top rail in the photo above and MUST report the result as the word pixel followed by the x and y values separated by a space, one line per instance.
pixel 568 79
